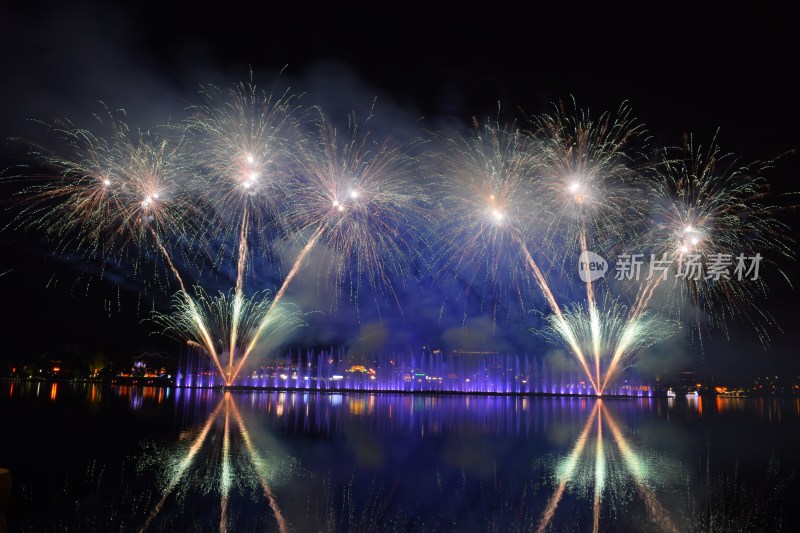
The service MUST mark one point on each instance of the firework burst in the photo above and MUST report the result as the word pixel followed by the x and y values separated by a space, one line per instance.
pixel 590 179
pixel 360 198
pixel 709 218
pixel 243 141
pixel 112 195
pixel 488 204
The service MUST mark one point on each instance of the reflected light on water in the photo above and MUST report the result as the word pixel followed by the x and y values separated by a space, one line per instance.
pixel 258 463
pixel 596 468
pixel 310 461
pixel 226 476
pixel 696 402
pixel 733 405
pixel 566 471
pixel 638 470
pixel 225 481
pixel 183 465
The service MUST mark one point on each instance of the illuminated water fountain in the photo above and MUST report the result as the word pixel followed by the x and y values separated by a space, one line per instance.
pixel 407 373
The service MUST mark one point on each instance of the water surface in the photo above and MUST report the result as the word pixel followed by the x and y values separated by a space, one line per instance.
pixel 117 458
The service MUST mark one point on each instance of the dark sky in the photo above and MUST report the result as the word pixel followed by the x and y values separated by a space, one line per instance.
pixel 681 70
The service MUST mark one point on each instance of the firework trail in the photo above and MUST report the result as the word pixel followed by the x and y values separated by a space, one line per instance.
pixel 192 314
pixel 564 328
pixel 494 185
pixel 237 300
pixel 267 317
pixel 358 198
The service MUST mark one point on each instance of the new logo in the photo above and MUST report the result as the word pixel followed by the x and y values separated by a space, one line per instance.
pixel 591 266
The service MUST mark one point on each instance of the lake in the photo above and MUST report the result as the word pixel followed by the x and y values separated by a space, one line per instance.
pixel 89 457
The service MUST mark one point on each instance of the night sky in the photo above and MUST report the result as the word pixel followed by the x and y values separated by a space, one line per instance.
pixel 682 72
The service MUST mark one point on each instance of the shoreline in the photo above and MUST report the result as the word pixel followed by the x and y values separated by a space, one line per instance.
pixel 162 383
pixel 155 382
